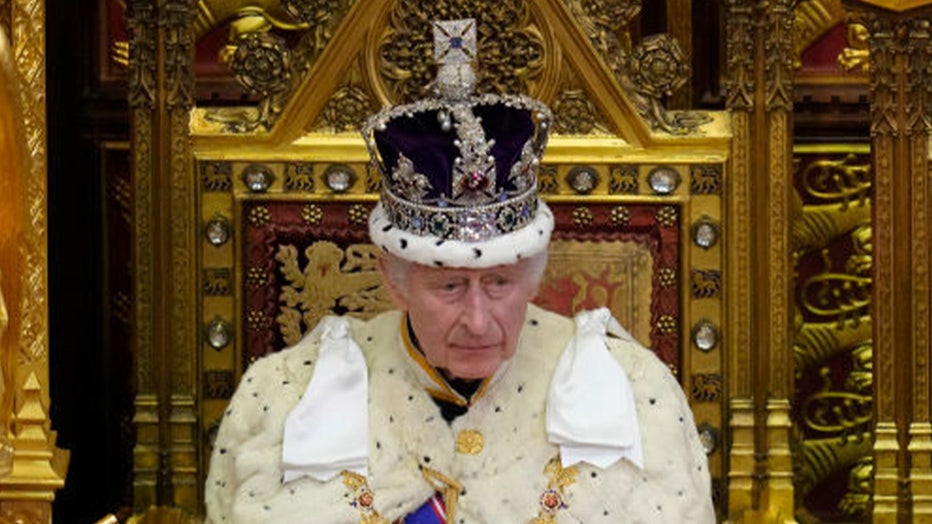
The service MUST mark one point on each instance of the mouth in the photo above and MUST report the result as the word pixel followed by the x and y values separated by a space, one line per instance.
pixel 476 347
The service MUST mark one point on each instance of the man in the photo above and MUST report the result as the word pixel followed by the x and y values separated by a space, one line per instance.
pixel 466 404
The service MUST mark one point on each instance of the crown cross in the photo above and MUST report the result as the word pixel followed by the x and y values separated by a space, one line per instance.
pixel 454 41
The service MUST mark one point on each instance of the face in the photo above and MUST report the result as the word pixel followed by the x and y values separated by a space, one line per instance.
pixel 467 321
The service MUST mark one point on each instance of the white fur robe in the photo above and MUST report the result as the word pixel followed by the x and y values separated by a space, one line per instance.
pixel 502 484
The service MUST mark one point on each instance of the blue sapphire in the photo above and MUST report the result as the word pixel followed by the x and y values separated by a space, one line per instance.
pixel 456 42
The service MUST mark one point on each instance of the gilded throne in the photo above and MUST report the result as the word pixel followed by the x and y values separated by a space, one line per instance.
pixel 282 191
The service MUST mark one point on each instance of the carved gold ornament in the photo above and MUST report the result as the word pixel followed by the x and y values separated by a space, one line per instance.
pixel 574 113
pixel 856 56
pixel 346 110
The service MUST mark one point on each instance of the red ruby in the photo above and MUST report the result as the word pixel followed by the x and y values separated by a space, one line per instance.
pixel 365 500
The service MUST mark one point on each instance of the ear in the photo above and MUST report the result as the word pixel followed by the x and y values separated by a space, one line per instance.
pixel 395 291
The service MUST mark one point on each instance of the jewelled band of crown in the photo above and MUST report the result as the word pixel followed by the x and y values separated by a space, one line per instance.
pixel 468 224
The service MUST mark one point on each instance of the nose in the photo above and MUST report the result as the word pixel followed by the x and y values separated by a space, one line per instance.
pixel 476 310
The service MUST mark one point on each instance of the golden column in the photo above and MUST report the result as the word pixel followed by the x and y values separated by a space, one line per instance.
pixel 31 467
pixel 900 96
pixel 760 209
pixel 161 84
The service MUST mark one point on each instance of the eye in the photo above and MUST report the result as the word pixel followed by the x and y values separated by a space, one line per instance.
pixel 496 283
pixel 448 286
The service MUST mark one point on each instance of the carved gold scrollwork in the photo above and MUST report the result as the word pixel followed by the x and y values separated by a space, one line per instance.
pixel 833 346
pixel 261 64
pixel 837 411
pixel 845 415
pixel 837 295
pixel 843 181
pixel 318 20
pixel 258 56
pixel 648 71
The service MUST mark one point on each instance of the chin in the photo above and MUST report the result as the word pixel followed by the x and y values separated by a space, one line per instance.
pixel 471 372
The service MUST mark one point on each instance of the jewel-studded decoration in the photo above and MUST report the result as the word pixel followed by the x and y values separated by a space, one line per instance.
pixel 362 498
pixel 469 200
pixel 553 499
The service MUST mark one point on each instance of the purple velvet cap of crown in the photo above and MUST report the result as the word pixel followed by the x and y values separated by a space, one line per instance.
pixel 421 139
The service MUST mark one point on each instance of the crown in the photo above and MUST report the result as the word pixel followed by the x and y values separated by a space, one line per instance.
pixel 459 169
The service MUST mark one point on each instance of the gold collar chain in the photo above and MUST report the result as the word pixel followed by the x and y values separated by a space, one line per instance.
pixel 552 500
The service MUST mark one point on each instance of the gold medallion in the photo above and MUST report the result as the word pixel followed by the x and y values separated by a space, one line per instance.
pixel 469 442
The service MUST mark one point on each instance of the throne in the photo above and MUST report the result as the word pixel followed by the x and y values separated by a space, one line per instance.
pixel 281 195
